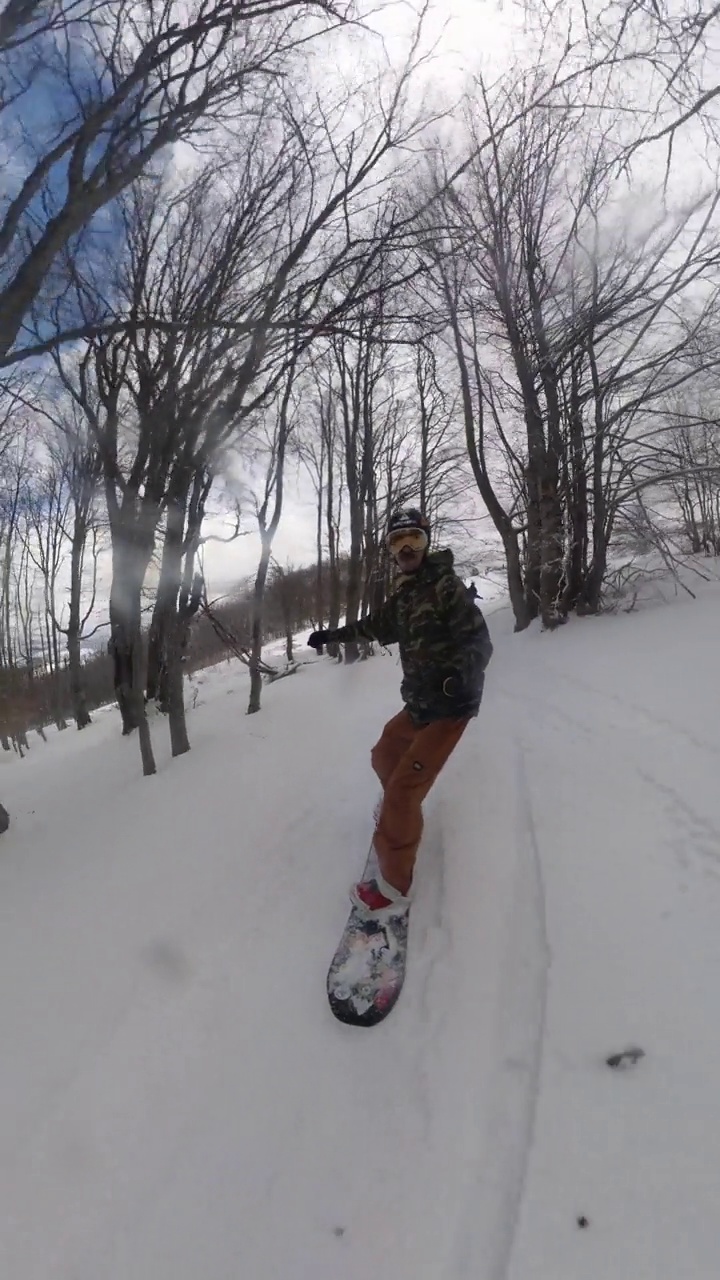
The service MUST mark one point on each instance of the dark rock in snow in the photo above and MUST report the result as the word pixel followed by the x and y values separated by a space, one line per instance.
pixel 628 1058
pixel 4 819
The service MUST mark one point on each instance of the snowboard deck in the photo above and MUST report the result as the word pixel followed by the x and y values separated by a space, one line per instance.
pixel 367 971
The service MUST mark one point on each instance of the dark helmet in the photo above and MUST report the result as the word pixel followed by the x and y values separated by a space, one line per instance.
pixel 408 518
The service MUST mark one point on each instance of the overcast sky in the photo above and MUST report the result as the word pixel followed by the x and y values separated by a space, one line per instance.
pixel 467 36
pixel 470 35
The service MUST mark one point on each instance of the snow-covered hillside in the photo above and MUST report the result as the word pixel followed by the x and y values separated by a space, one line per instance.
pixel 176 1100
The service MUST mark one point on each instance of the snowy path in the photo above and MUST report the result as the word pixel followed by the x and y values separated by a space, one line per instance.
pixel 623 745
pixel 176 1099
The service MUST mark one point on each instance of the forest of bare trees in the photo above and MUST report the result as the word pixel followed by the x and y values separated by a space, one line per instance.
pixel 227 273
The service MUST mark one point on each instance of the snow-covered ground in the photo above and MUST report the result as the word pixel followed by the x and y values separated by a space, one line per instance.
pixel 176 1100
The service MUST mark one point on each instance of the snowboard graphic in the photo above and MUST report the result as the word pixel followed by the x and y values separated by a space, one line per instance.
pixel 368 969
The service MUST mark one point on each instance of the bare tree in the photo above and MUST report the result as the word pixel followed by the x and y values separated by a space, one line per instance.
pixel 368 411
pixel 278 422
pixel 75 455
pixel 47 505
pixel 216 279
pixel 568 331
pixel 122 82
pixel 651 60
pixel 691 456
pixel 14 477
pixel 287 595
pixel 320 449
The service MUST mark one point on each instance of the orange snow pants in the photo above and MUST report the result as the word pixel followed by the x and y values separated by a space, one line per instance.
pixel 407 760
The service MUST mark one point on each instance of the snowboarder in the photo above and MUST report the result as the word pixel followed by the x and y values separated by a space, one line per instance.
pixel 445 647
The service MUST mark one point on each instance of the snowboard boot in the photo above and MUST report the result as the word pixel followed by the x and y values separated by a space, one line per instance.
pixel 377 900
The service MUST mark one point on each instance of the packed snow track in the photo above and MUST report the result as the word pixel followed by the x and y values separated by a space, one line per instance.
pixel 177 1101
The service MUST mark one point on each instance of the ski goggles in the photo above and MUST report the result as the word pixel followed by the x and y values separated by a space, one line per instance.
pixel 416 539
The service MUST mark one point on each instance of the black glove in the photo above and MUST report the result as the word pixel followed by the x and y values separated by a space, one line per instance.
pixel 319 639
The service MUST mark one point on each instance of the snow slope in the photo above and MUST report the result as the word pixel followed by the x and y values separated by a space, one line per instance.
pixel 176 1100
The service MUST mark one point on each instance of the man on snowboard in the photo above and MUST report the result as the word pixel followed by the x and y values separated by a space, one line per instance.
pixel 445 647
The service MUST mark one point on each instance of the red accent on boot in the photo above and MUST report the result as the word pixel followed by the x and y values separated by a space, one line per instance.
pixel 368 893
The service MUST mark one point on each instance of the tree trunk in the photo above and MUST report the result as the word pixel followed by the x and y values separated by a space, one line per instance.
pixel 319 610
pixel 77 687
pixel 475 443
pixel 257 625
pixel 334 588
pixel 165 679
pixel 354 586
pixel 60 719
pixel 548 452
pixel 533 543
pixel 179 741
pixel 577 489
pixel 124 641
pixel 516 587
pixel 350 391
pixel 130 558
pixel 156 689
pixel 176 621
pixel 601 523
pixel 146 747
pixel 158 636
pixel 552 551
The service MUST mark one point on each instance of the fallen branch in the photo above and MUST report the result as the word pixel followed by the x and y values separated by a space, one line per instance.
pixel 274 675
pixel 231 641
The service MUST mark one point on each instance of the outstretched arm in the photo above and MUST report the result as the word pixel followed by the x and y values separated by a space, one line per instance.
pixel 380 625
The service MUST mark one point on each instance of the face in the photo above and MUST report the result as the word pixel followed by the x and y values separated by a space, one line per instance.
pixel 408 548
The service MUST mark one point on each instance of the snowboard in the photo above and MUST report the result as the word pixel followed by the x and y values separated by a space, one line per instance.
pixel 367 971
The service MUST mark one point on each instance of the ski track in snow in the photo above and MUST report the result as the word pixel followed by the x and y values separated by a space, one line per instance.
pixel 176 1099
pixel 494 1192
pixel 623 776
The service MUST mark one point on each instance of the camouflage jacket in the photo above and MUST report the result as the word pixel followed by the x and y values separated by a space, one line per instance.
pixel 444 642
